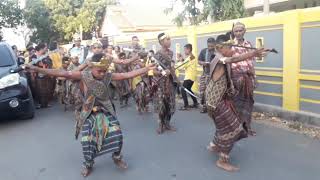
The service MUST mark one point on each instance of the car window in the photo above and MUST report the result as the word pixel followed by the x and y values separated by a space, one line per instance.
pixel 5 57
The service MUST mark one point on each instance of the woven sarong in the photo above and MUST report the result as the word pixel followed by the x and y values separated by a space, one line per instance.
pixel 101 134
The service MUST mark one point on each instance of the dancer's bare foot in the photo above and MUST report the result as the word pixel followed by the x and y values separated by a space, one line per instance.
pixel 120 163
pixel 160 129
pixel 170 128
pixel 227 166
pixel 252 132
pixel 86 172
pixel 212 148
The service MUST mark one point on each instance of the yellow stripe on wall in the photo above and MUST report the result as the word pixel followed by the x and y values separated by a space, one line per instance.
pixel 270 82
pixel 309 77
pixel 268 93
pixel 310 87
pixel 309 101
pixel 269 73
pixel 268 68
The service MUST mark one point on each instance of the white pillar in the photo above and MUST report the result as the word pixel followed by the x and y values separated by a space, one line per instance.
pixel 266 6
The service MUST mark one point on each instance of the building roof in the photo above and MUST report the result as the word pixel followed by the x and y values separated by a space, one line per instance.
pixel 128 18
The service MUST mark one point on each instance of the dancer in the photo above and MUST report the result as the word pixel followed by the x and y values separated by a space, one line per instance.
pixel 229 127
pixel 165 102
pixel 101 131
pixel 243 77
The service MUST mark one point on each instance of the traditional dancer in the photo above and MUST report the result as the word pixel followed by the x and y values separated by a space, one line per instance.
pixel 164 101
pixel 243 77
pixel 101 131
pixel 123 87
pixel 229 127
pixel 44 91
pixel 71 85
pixel 60 90
pixel 140 88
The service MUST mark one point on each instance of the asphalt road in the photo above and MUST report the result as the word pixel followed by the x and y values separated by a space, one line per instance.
pixel 44 149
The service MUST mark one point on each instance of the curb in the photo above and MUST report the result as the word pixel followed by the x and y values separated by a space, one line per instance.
pixel 303 117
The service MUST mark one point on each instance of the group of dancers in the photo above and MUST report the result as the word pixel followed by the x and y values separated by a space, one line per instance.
pixel 226 92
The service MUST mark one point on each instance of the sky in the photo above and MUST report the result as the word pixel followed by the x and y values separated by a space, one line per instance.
pixel 13 39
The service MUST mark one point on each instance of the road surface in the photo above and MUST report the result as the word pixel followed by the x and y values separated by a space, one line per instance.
pixel 44 149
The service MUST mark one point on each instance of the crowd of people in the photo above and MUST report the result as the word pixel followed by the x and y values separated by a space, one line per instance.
pixel 88 79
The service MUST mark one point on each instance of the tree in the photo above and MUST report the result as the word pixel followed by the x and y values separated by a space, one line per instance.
pixel 37 17
pixel 11 15
pixel 70 15
pixel 59 20
pixel 218 10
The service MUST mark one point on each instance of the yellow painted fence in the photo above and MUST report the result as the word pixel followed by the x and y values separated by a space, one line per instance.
pixel 290 75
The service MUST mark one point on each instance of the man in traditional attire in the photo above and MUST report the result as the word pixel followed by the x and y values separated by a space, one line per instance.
pixel 44 88
pixel 205 57
pixel 165 102
pixel 123 87
pixel 140 88
pixel 101 131
pixel 61 88
pixel 243 77
pixel 71 85
pixel 219 92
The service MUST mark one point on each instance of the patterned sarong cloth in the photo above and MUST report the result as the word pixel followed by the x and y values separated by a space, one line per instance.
pixel 229 128
pixel 123 86
pixel 243 77
pixel 243 100
pixel 71 88
pixel 101 134
pixel 141 95
pixel 204 80
pixel 60 89
pixel 43 91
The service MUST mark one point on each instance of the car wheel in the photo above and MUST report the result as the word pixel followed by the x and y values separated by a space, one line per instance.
pixel 31 109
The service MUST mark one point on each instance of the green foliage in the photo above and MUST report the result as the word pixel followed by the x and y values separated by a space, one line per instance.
pixel 219 10
pixel 61 19
pixel 70 15
pixel 224 9
pixel 37 18
pixel 10 14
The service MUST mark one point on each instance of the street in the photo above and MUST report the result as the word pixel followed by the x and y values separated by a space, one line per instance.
pixel 44 148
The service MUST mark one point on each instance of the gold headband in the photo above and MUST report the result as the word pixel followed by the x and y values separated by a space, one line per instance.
pixel 164 36
pixel 226 43
pixel 103 63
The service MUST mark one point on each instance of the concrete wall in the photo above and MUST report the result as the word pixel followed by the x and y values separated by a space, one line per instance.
pixel 289 79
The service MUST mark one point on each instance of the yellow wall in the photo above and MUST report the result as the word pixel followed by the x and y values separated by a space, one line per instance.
pixel 291 23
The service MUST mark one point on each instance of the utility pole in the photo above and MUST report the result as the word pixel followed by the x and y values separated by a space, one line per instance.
pixel 266 7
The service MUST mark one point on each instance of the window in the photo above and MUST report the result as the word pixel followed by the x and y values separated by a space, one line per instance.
pixel 259 44
pixel 5 57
